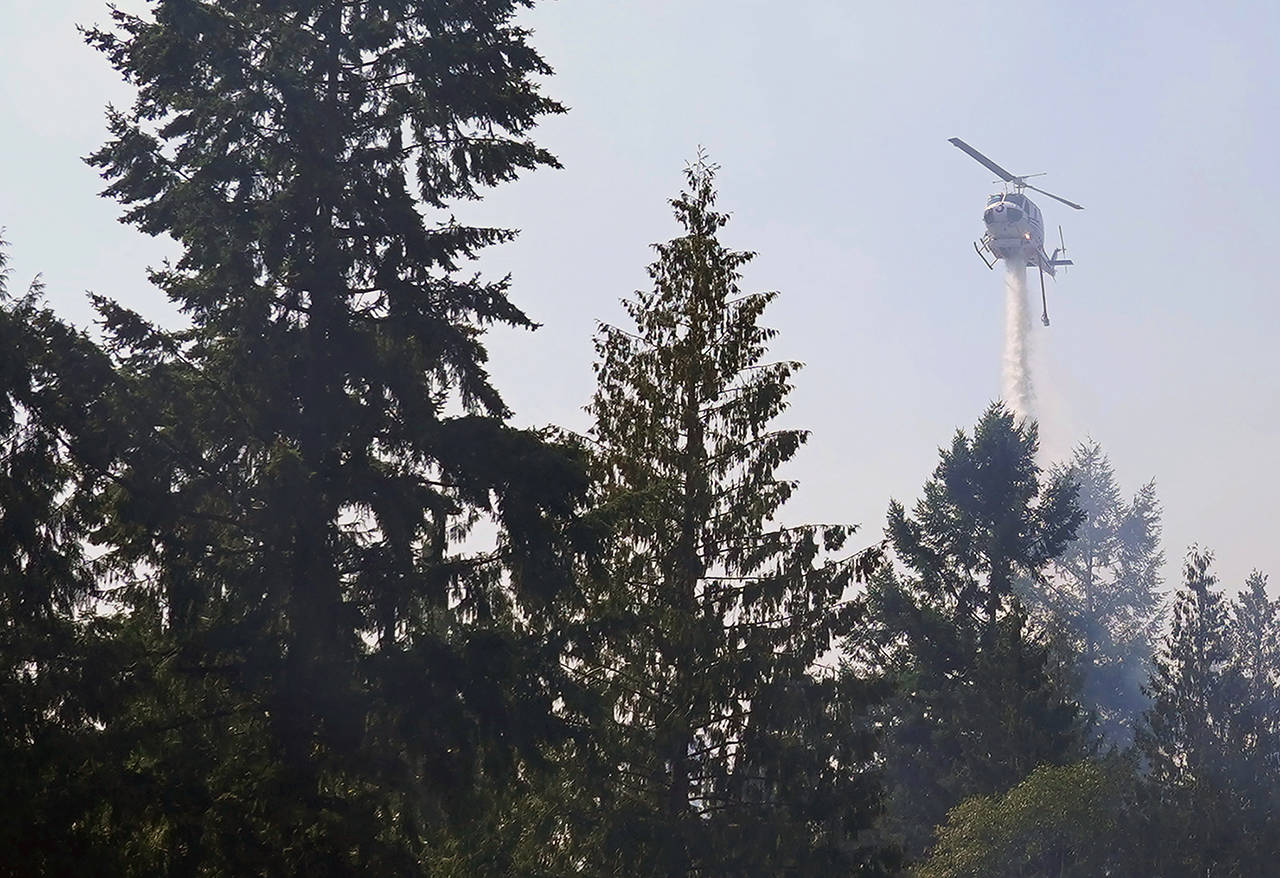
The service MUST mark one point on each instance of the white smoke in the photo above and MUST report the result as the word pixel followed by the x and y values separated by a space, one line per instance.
pixel 1016 388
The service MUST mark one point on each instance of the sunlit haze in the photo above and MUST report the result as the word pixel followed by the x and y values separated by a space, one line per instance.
pixel 830 122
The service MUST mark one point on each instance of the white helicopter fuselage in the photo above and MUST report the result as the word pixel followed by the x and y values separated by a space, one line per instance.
pixel 1015 230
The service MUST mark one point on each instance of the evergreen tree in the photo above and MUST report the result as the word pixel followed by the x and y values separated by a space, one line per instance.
pixel 333 684
pixel 45 581
pixel 1210 737
pixel 1186 741
pixel 1101 597
pixel 721 752
pixel 978 706
pixel 1254 671
pixel 1254 721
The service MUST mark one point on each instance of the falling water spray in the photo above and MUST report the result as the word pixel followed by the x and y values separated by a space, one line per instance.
pixel 1016 373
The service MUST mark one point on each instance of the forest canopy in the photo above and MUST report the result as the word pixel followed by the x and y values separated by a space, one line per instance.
pixel 252 622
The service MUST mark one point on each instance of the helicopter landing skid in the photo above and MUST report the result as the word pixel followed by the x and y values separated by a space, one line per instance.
pixel 989 264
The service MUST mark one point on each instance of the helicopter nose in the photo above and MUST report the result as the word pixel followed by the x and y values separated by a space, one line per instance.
pixel 1001 213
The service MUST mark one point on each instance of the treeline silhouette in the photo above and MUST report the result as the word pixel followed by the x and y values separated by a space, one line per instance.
pixel 245 628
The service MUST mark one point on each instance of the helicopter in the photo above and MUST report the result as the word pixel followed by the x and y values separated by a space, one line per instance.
pixel 1015 226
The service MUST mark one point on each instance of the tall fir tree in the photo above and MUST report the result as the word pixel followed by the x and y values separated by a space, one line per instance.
pixel 1101 597
pixel 53 669
pixel 1255 679
pixel 1187 741
pixel 721 751
pixel 978 706
pixel 294 469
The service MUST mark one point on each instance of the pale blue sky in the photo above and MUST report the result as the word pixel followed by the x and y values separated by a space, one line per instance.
pixel 830 120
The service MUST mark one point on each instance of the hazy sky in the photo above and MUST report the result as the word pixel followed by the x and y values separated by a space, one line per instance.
pixel 830 120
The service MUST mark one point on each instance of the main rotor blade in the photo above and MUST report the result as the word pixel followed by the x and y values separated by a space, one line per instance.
pixel 1055 197
pixel 986 162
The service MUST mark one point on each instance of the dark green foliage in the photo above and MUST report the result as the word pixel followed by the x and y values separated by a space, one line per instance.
pixel 978 706
pixel 1254 678
pixel 1211 743
pixel 243 632
pixel 1186 744
pixel 1101 601
pixel 1253 767
pixel 331 683
pixel 719 751
pixel 55 685
pixel 1199 795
